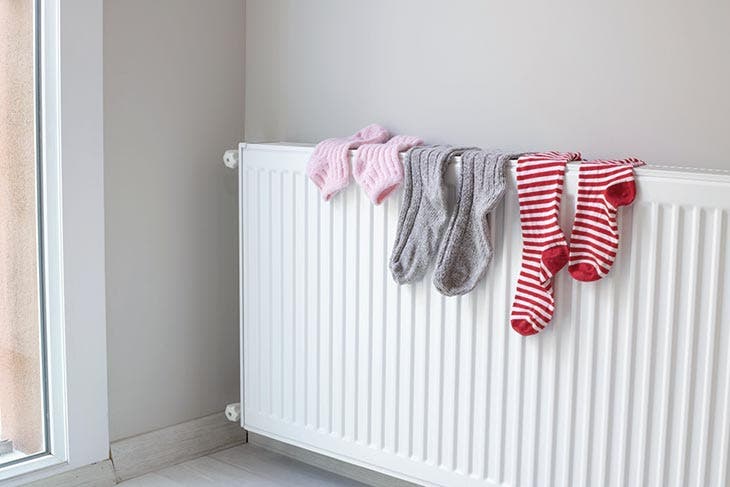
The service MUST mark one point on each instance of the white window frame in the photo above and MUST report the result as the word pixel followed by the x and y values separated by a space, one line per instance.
pixel 72 189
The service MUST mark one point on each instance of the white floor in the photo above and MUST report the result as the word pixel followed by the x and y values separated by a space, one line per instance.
pixel 245 465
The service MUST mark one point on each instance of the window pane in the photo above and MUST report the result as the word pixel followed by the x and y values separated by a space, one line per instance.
pixel 22 431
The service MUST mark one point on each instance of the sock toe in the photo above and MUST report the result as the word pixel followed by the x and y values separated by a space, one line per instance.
pixel 584 272
pixel 397 270
pixel 401 274
pixel 523 327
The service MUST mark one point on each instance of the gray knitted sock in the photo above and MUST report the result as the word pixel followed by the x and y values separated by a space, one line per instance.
pixel 412 194
pixel 423 214
pixel 466 249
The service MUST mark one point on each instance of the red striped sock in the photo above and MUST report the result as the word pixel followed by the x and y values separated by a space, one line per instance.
pixel 544 248
pixel 603 186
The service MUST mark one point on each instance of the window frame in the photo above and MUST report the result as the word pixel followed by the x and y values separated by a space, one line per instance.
pixel 69 84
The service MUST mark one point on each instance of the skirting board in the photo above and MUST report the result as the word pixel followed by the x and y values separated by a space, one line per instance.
pixel 152 451
pixel 354 472
pixel 95 475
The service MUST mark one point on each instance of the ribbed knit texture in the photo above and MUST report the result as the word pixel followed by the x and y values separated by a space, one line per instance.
pixel 423 213
pixel 378 169
pixel 544 248
pixel 466 249
pixel 329 166
pixel 603 186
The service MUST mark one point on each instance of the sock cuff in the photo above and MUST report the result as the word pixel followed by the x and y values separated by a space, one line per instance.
pixel 493 180
pixel 553 156
pixel 404 142
pixel 371 134
pixel 595 176
pixel 595 179
pixel 436 159
pixel 629 161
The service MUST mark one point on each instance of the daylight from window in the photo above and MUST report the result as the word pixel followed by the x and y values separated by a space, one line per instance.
pixel 21 376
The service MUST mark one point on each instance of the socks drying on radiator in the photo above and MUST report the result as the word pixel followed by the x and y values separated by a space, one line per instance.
pixel 545 251
pixel 423 214
pixel 329 166
pixel 378 169
pixel 603 186
pixel 466 250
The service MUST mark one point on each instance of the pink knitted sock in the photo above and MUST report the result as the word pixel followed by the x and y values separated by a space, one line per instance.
pixel 329 166
pixel 378 169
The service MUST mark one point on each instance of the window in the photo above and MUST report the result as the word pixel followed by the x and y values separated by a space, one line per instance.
pixel 52 225
pixel 23 428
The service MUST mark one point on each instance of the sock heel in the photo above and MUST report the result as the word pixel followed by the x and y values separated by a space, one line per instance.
pixel 555 258
pixel 621 194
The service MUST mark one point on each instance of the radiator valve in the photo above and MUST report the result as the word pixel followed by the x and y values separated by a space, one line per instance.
pixel 233 412
pixel 230 158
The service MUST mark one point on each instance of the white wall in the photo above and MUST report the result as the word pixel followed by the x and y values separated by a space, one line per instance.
pixel 608 78
pixel 173 103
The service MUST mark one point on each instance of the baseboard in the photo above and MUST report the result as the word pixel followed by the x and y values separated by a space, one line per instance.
pixel 354 472
pixel 99 474
pixel 152 451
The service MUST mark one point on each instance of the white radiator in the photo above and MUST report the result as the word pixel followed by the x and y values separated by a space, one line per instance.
pixel 629 386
